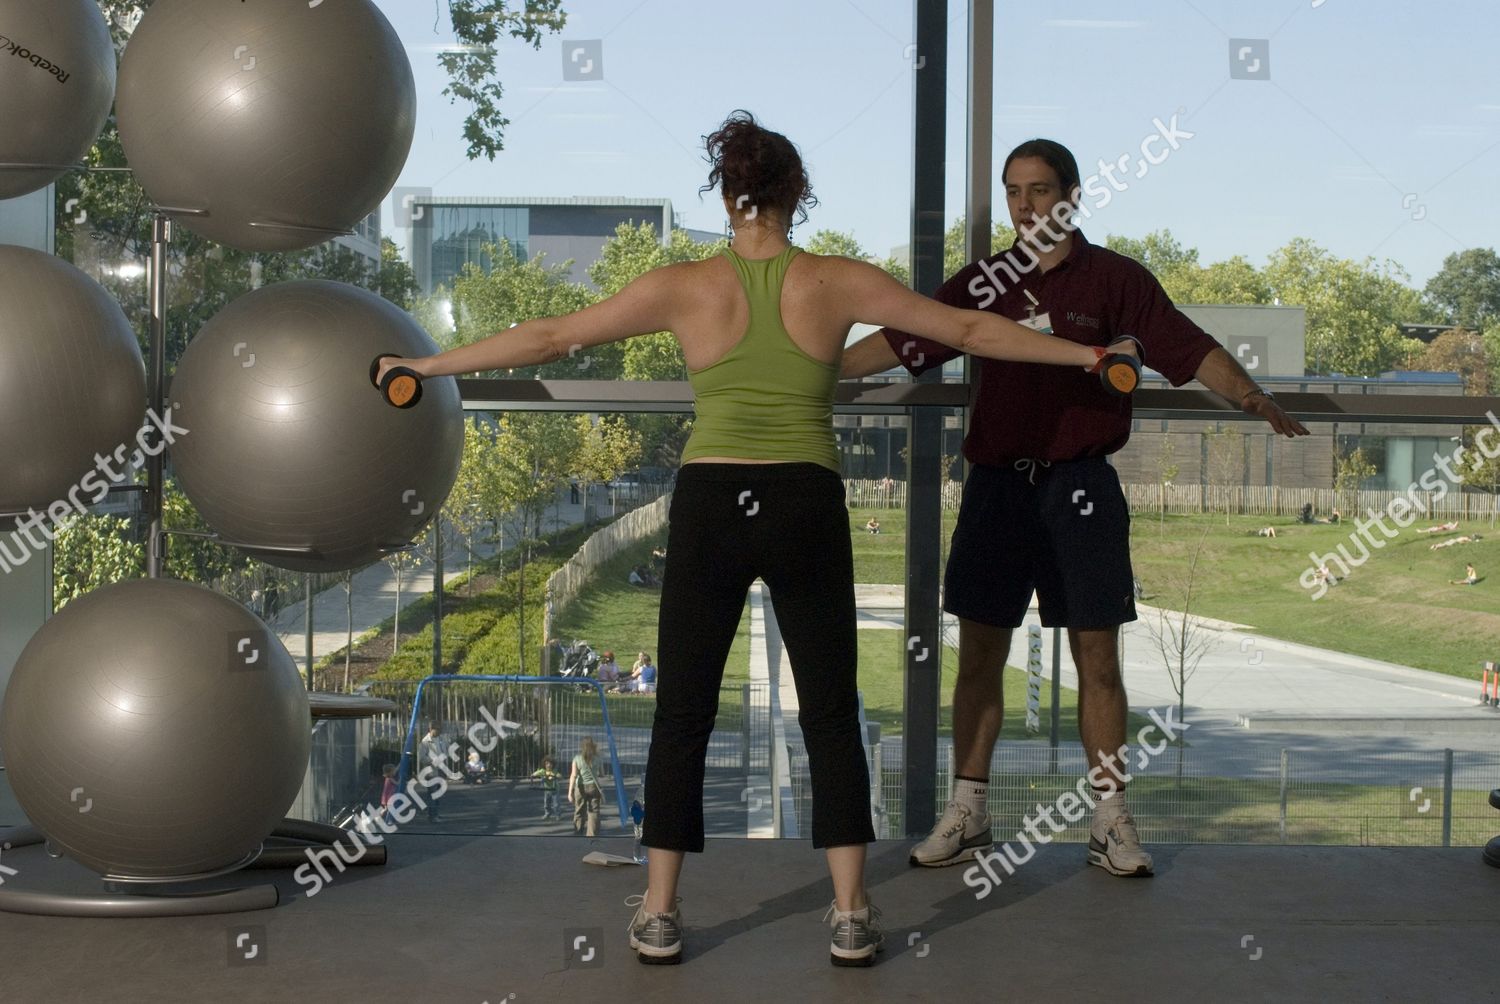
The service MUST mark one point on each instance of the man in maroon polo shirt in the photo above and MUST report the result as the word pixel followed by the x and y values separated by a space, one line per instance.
pixel 1042 509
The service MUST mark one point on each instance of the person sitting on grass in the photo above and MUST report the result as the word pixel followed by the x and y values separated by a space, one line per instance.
pixel 642 676
pixel 609 671
pixel 1469 579
pixel 1324 575
pixel 873 526
pixel 1448 527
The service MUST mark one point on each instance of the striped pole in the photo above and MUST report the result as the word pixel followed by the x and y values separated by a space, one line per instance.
pixel 1034 680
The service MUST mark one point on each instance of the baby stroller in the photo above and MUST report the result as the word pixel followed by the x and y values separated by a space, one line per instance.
pixel 579 662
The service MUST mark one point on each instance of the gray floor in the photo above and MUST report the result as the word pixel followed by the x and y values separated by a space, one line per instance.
pixel 488 919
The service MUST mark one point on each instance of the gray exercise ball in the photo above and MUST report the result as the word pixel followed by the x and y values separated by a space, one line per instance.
pixel 155 729
pixel 285 123
pixel 57 81
pixel 72 381
pixel 289 445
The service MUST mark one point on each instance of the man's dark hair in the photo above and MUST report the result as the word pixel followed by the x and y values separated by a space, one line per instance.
pixel 1057 156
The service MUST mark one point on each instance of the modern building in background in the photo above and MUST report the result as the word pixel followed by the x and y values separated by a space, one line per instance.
pixel 365 241
pixel 448 233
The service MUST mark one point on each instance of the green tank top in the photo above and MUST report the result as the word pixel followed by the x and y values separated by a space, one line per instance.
pixel 765 399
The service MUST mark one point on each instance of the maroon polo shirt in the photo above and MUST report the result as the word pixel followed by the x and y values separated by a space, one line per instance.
pixel 1055 413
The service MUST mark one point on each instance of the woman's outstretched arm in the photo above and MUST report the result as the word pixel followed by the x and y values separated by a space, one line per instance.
pixel 883 301
pixel 644 306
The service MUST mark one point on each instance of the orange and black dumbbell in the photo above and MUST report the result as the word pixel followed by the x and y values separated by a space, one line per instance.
pixel 1118 372
pixel 401 386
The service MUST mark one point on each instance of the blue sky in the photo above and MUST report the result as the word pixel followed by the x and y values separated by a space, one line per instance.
pixel 1376 134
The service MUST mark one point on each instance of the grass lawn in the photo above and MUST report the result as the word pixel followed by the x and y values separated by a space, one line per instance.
pixel 1398 606
pixel 881 557
pixel 612 614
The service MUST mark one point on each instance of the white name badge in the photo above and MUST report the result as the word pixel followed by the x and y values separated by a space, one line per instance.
pixel 1041 322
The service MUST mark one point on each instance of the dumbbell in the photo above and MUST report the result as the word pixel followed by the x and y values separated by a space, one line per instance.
pixel 1119 373
pixel 401 387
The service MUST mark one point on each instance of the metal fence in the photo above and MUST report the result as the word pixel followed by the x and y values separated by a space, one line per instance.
pixel 552 719
pixel 1427 799
pixel 1274 500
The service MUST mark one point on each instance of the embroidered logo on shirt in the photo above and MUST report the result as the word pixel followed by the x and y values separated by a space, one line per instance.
pixel 1082 320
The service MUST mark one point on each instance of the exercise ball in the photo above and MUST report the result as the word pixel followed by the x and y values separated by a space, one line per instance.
pixel 155 729
pixel 72 382
pixel 57 81
pixel 291 446
pixel 266 126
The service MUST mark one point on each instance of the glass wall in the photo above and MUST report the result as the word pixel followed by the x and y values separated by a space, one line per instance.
pixel 1306 221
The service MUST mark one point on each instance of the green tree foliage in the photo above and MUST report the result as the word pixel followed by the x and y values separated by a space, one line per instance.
pixel 606 449
pixel 1351 471
pixel 836 242
pixel 91 552
pixel 1353 308
pixel 511 291
pixel 1458 351
pixel 471 68
pixel 955 252
pixel 397 281
pixel 1467 288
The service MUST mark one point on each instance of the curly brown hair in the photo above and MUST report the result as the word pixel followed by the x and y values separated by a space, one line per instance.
pixel 754 165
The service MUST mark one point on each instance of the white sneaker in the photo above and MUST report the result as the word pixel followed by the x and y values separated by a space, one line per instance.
pixel 958 836
pixel 1114 844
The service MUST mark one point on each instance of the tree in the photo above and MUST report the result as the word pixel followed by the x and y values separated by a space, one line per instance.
pixel 606 449
pixel 1166 472
pixel 1234 280
pixel 478 25
pixel 396 281
pixel 1351 471
pixel 465 507
pixel 512 291
pixel 532 456
pixel 1353 308
pixel 1458 351
pixel 836 242
pixel 1226 462
pixel 399 562
pixel 1181 640
pixel 1161 253
pixel 90 552
pixel 1467 288
pixel 955 252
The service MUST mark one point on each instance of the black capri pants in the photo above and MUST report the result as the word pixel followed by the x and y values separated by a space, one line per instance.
pixel 787 525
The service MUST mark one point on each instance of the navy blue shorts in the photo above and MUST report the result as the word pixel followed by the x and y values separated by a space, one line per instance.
pixel 1062 531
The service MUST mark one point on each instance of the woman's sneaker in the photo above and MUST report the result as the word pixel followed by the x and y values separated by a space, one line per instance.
pixel 958 836
pixel 856 935
pixel 656 938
